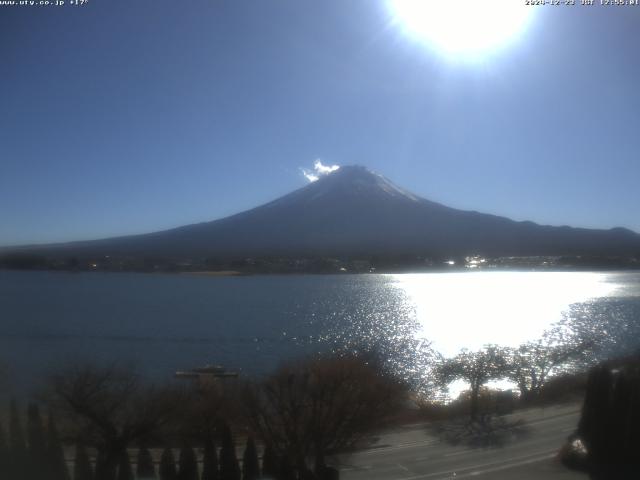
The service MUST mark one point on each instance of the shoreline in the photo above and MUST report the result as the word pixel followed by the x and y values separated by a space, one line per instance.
pixel 214 273
pixel 240 273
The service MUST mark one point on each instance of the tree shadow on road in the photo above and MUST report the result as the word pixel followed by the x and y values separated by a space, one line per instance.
pixel 483 432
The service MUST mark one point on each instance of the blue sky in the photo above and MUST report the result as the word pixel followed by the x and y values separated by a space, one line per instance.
pixel 125 117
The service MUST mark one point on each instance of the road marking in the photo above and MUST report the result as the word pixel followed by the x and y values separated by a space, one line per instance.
pixel 429 457
pixel 506 467
pixel 374 450
pixel 498 465
pixel 461 452
pixel 551 418
pixel 355 468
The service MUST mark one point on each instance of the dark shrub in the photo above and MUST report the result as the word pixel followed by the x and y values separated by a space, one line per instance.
pixel 250 466
pixel 210 462
pixel 188 464
pixel 229 468
pixel 125 472
pixel 82 466
pixel 145 469
pixel 168 465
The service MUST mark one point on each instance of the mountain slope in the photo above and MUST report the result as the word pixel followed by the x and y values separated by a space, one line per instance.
pixel 355 211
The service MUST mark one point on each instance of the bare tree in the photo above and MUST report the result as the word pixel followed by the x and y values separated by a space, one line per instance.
pixel 110 408
pixel 205 409
pixel 559 350
pixel 308 410
pixel 476 368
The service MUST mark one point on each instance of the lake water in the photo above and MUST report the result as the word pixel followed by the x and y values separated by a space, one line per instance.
pixel 163 323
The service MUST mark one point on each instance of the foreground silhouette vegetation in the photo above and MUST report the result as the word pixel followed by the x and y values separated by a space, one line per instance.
pixel 606 441
pixel 116 426
pixel 108 423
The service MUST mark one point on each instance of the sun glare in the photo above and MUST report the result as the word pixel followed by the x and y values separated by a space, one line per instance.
pixel 467 310
pixel 462 27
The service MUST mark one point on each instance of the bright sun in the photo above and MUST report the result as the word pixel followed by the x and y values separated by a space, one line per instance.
pixel 462 27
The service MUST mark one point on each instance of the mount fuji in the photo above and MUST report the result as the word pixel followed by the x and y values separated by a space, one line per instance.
pixel 353 211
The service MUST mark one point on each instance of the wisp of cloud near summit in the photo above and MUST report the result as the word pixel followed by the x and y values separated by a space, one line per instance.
pixel 318 170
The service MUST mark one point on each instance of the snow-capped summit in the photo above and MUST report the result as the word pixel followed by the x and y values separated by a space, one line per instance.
pixel 351 182
pixel 358 180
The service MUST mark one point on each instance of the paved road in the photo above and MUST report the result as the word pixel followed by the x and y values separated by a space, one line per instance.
pixel 412 453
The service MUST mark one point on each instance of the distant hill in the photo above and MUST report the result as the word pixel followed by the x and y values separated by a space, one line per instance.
pixel 354 211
